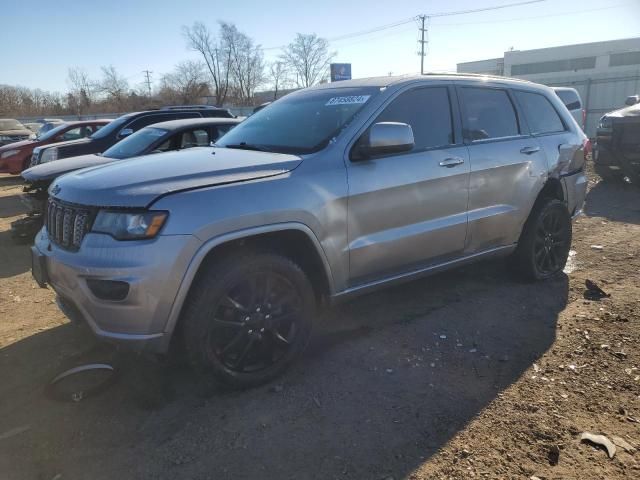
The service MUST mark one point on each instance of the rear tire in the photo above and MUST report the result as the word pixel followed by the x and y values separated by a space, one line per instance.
pixel 545 241
pixel 248 317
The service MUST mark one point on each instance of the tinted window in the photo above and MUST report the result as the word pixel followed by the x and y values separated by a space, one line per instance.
pixel 570 99
pixel 219 130
pixel 489 113
pixel 223 113
pixel 135 144
pixel 541 115
pixel 145 120
pixel 427 111
pixel 73 134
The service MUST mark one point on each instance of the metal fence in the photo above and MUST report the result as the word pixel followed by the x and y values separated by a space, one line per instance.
pixel 600 94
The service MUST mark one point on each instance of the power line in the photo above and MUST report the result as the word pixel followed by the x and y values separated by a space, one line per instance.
pixel 424 18
pixel 409 20
pixel 484 9
pixel 534 17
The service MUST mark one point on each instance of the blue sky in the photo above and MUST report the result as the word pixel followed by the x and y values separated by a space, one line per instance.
pixel 42 39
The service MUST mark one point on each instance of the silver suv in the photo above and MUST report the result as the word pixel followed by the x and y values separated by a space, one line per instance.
pixel 332 191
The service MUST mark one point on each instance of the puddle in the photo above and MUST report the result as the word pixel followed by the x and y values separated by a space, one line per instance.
pixel 572 263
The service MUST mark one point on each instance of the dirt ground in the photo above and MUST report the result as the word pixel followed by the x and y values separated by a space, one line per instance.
pixel 467 374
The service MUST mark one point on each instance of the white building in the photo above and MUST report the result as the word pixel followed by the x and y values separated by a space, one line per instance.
pixel 604 73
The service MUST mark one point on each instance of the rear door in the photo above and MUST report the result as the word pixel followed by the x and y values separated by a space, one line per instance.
pixel 508 166
pixel 409 210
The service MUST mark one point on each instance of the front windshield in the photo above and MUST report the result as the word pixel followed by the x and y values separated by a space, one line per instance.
pixel 299 123
pixel 111 127
pixel 10 124
pixel 52 133
pixel 135 144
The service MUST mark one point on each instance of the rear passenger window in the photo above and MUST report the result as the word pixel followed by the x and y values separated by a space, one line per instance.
pixel 570 99
pixel 427 111
pixel 489 113
pixel 541 115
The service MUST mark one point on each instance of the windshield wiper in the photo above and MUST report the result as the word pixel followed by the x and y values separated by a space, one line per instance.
pixel 247 146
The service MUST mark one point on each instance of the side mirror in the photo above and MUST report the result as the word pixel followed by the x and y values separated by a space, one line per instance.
pixel 632 100
pixel 386 138
pixel 125 132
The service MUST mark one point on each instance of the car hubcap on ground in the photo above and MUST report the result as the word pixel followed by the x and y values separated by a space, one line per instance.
pixel 255 324
pixel 551 243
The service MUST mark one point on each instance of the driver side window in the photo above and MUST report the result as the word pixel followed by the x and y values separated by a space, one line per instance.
pixel 428 112
pixel 73 134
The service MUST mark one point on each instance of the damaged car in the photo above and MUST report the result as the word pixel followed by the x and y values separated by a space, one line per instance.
pixel 329 192
pixel 617 152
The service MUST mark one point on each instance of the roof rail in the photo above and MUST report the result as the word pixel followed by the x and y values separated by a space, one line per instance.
pixel 483 75
pixel 190 107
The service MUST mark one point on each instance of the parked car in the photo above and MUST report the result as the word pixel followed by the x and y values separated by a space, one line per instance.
pixel 33 126
pixel 16 157
pixel 617 152
pixel 571 99
pixel 159 137
pixel 120 128
pixel 47 124
pixel 12 131
pixel 329 192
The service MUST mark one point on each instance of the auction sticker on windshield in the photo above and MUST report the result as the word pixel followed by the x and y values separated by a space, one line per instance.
pixel 350 100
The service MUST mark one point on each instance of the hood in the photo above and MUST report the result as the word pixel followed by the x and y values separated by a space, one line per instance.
pixel 68 143
pixel 631 111
pixel 14 145
pixel 49 171
pixel 138 181
pixel 19 131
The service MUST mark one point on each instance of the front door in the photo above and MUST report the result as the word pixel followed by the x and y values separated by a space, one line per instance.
pixel 409 210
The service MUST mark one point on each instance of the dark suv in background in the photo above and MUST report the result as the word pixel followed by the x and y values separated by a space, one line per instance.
pixel 120 128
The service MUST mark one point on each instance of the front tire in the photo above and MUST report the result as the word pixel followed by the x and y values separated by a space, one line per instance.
pixel 248 318
pixel 544 244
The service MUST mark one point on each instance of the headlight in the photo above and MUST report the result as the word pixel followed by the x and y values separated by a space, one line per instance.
pixel 8 153
pixel 605 122
pixel 129 225
pixel 49 155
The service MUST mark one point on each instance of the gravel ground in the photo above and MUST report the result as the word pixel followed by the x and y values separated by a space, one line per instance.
pixel 465 374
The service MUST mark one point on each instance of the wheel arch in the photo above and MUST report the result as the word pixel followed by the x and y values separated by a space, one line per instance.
pixel 292 239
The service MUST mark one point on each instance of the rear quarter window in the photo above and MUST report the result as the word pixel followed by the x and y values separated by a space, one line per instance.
pixel 570 99
pixel 541 116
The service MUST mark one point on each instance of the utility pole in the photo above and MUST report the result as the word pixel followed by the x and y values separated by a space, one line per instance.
pixel 147 74
pixel 422 41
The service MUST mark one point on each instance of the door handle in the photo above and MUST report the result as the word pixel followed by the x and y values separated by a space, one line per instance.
pixel 529 150
pixel 451 162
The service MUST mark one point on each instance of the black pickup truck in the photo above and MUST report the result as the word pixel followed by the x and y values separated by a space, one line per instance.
pixel 617 152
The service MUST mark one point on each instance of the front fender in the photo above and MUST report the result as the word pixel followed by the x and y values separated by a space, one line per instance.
pixel 212 243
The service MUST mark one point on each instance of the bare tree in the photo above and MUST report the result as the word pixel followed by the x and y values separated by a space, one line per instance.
pixel 185 84
pixel 81 90
pixel 247 61
pixel 278 74
pixel 308 57
pixel 114 85
pixel 216 56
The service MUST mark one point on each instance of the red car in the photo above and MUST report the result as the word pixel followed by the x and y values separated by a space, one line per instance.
pixel 15 157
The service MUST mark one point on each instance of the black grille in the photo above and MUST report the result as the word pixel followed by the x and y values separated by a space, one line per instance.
pixel 67 224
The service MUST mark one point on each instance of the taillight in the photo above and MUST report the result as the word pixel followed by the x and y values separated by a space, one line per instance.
pixel 587 149
pixel 584 118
